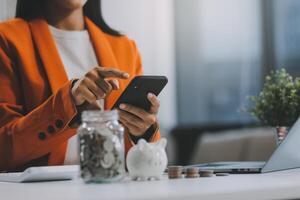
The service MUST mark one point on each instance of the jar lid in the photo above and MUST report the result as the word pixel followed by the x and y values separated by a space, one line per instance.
pixel 99 116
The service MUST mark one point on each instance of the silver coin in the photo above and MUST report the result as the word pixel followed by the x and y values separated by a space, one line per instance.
pixel 108 145
pixel 108 160
pixel 207 175
pixel 222 174
pixel 105 132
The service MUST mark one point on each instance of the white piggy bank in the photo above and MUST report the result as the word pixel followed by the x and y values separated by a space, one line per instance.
pixel 146 161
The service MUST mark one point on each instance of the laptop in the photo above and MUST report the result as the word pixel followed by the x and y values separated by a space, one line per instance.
pixel 286 156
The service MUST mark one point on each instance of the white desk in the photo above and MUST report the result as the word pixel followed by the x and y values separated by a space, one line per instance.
pixel 279 185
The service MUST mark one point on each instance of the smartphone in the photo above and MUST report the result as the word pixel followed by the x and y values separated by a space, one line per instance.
pixel 136 92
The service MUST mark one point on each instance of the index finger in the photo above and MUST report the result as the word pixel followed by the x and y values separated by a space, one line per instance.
pixel 112 73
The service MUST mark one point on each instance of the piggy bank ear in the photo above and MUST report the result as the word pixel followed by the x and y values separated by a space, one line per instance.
pixel 162 143
pixel 141 144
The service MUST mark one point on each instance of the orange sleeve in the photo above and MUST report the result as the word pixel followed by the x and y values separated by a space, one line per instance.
pixel 139 71
pixel 23 133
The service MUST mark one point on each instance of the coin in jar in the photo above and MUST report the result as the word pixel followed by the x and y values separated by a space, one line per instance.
pixel 108 145
pixel 108 160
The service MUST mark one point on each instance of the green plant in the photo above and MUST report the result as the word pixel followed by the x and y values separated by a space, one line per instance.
pixel 278 104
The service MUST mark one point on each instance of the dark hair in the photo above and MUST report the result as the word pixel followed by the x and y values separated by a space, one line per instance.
pixel 31 9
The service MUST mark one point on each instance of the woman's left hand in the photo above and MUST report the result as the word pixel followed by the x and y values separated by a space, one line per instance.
pixel 137 120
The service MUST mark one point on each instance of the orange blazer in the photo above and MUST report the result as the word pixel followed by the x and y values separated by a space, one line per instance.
pixel 36 105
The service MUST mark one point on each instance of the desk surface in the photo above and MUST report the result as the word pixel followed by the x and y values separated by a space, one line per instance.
pixel 279 185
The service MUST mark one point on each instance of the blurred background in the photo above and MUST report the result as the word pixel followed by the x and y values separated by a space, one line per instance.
pixel 215 54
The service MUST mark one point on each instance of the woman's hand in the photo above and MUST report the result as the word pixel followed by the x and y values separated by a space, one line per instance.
pixel 137 120
pixel 94 86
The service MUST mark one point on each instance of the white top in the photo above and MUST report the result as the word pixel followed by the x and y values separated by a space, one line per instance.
pixel 78 56
pixel 277 185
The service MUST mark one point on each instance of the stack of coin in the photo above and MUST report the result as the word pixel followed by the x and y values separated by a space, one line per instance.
pixel 206 173
pixel 175 172
pixel 192 172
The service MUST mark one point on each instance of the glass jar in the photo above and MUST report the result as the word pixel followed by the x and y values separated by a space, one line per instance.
pixel 101 147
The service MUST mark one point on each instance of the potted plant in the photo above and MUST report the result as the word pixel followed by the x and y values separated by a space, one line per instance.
pixel 278 104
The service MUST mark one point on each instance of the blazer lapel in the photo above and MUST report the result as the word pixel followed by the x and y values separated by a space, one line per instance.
pixel 53 64
pixel 105 56
pixel 48 53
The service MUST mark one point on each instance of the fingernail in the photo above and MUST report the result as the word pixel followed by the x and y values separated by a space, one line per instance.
pixel 117 84
pixel 126 75
pixel 122 106
pixel 150 95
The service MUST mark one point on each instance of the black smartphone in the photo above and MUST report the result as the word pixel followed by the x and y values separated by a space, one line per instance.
pixel 136 92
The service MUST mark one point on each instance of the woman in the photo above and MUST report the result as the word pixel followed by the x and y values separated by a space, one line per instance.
pixel 58 58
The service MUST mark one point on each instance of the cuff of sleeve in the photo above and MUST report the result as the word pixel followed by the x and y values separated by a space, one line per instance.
pixel 76 121
pixel 147 135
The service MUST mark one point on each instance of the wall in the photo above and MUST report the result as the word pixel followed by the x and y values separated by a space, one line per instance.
pixel 7 8
pixel 286 34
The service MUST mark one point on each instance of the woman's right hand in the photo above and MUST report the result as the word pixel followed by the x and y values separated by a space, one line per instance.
pixel 94 85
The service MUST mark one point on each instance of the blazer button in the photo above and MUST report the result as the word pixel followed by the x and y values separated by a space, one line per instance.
pixel 59 123
pixel 51 129
pixel 42 136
